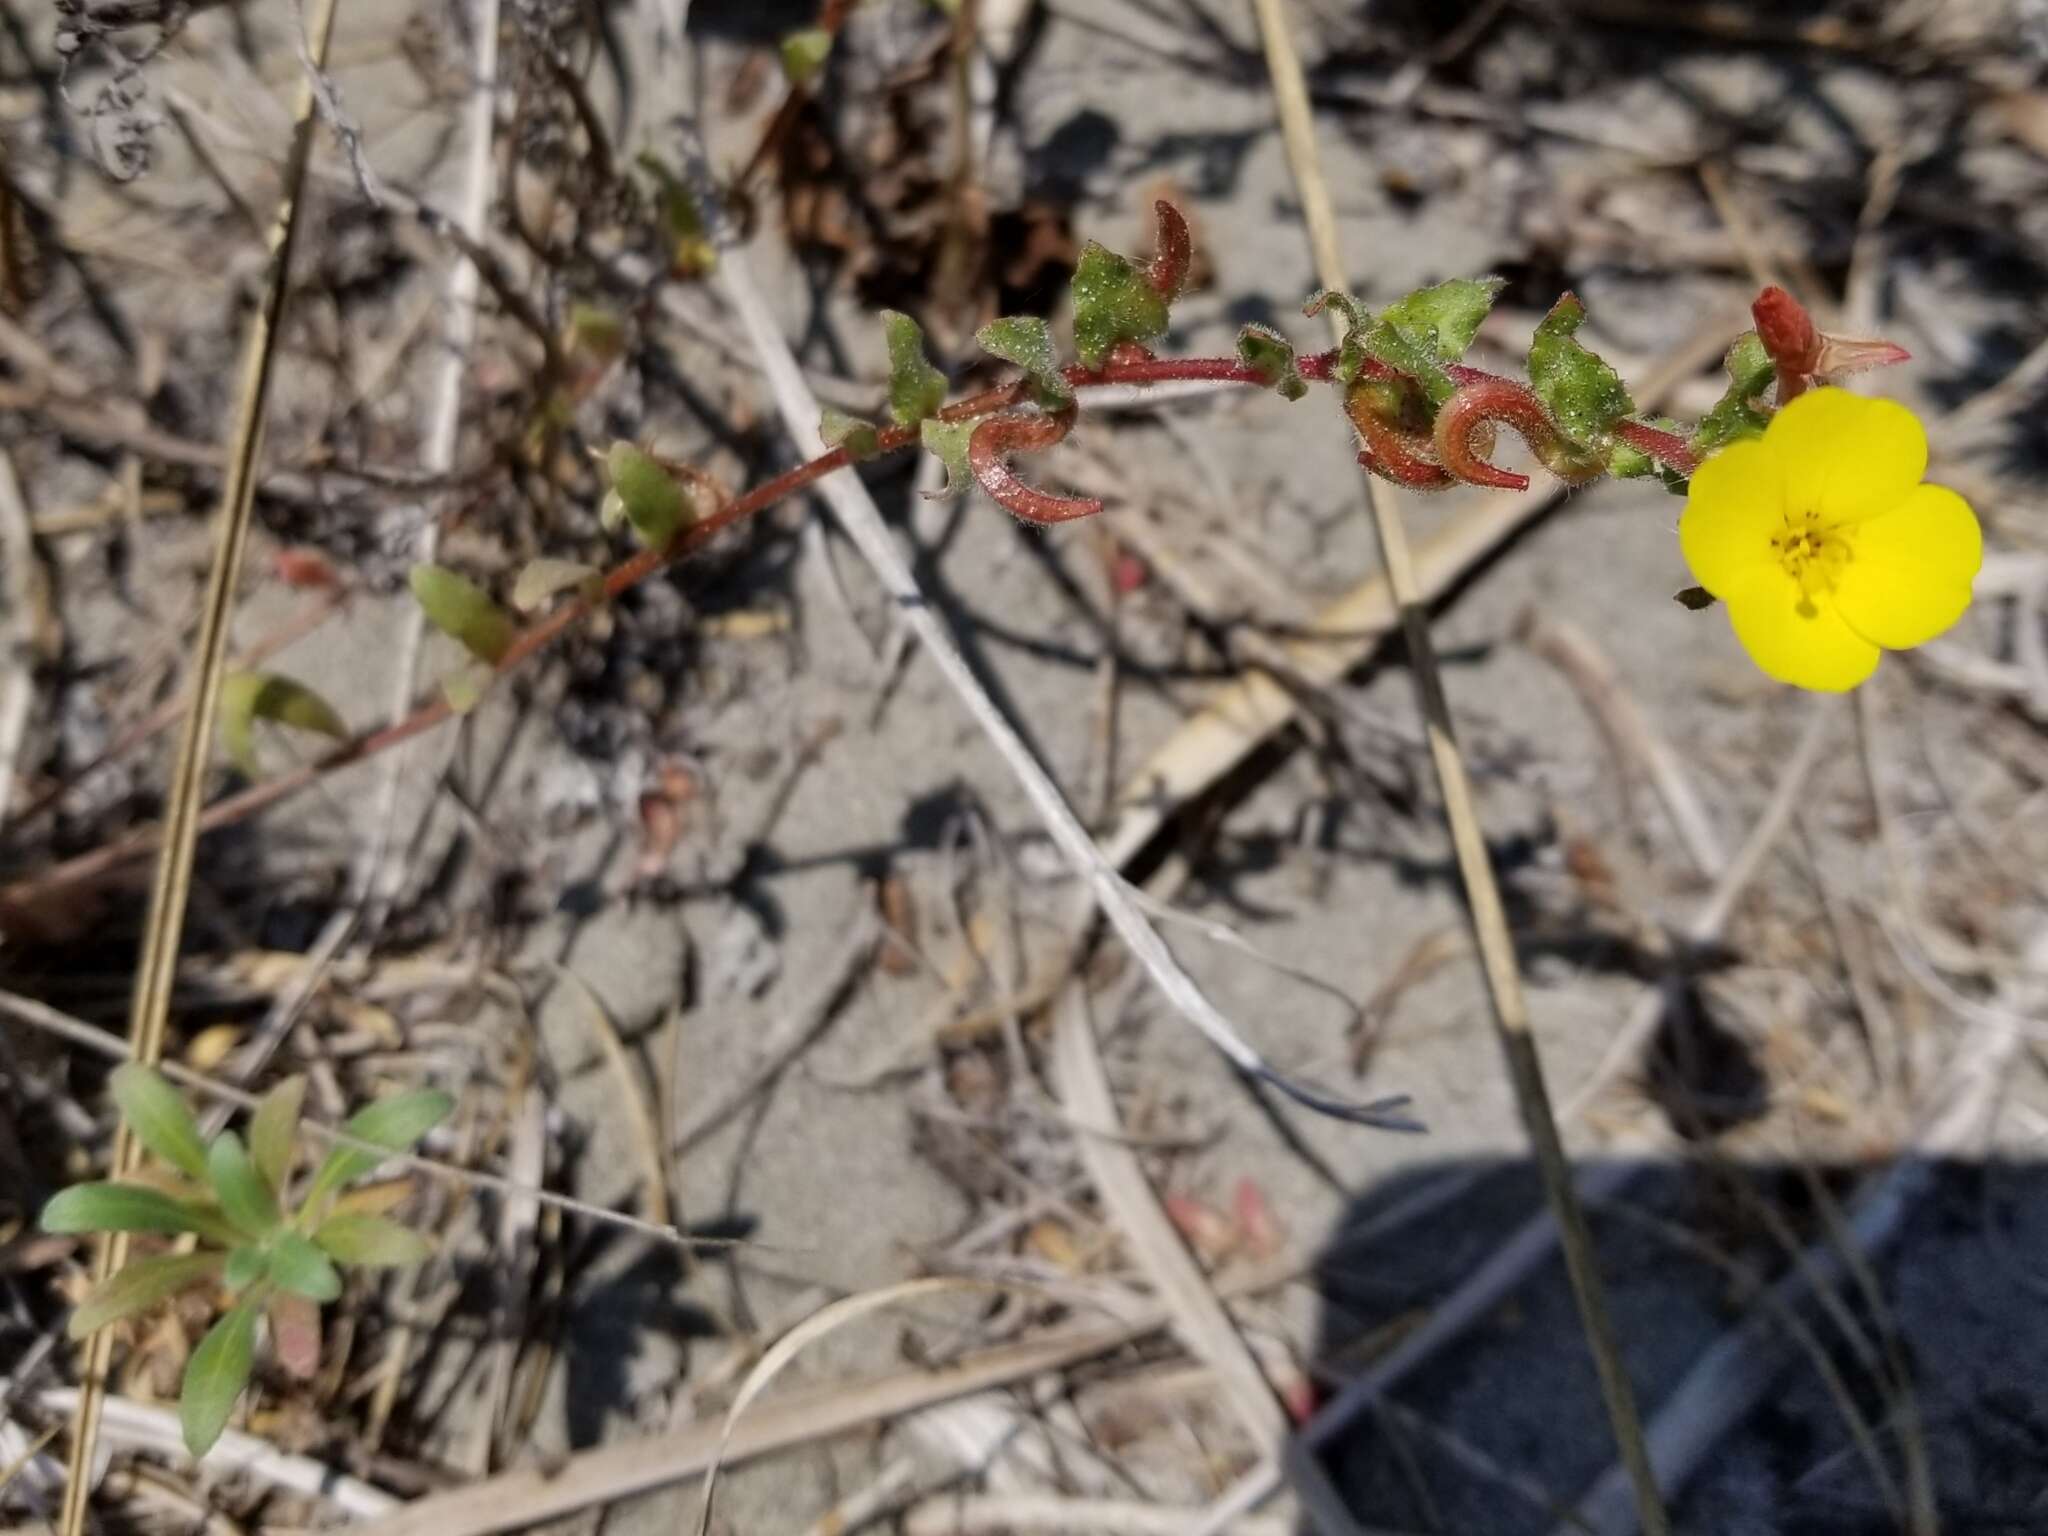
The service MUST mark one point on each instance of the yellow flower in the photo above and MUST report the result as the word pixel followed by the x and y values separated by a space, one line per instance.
pixel 1823 543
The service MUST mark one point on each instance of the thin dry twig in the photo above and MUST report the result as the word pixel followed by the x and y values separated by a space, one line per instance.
pixel 1475 865
pixel 156 971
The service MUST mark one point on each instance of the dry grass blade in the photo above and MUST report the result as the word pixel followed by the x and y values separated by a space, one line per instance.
pixel 17 671
pixel 1475 866
pixel 157 969
pixel 858 514
pixel 655 1201
pixel 1136 1215
pixel 827 1319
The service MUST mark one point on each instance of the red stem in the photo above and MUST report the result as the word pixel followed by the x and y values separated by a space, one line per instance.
pixel 1665 447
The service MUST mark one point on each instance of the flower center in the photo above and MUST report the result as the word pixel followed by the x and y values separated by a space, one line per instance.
pixel 1814 554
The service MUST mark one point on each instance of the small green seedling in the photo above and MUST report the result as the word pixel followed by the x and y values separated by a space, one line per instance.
pixel 234 1199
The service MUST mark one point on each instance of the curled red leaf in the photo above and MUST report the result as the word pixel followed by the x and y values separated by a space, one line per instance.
pixel 1172 253
pixel 1009 432
pixel 1463 437
pixel 1396 447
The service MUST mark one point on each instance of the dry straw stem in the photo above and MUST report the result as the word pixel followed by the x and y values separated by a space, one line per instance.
pixel 1489 918
pixel 1025 1515
pixel 157 969
pixel 17 605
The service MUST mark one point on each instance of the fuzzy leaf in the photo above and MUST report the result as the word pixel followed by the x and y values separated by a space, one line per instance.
pixel 948 440
pixel 856 434
pixel 246 1265
pixel 463 611
pixel 111 1207
pixel 1584 394
pixel 1736 414
pixel 245 1198
pixel 157 1114
pixel 352 1237
pixel 1421 332
pixel 301 1268
pixel 653 501
pixel 1272 356
pixel 273 1130
pixel 215 1376
pixel 1026 341
pixel 139 1285
pixel 540 580
pixel 394 1123
pixel 916 388
pixel 1112 303
pixel 804 54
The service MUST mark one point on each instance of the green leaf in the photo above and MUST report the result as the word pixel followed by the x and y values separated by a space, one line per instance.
pixel 1421 332
pixel 246 697
pixel 274 1129
pixel 301 1268
pixel 465 689
pixel 353 1237
pixel 948 440
pixel 245 1198
pixel 1026 341
pixel 110 1207
pixel 215 1376
pixel 856 434
pixel 246 1265
pixel 916 388
pixel 156 1113
pixel 1112 303
pixel 541 580
pixel 463 611
pixel 394 1123
pixel 804 54
pixel 1736 414
pixel 1271 355
pixel 1584 394
pixel 654 502
pixel 139 1285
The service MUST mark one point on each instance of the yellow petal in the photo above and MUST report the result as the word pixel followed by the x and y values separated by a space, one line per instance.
pixel 1733 509
pixel 1813 649
pixel 1910 577
pixel 1846 457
